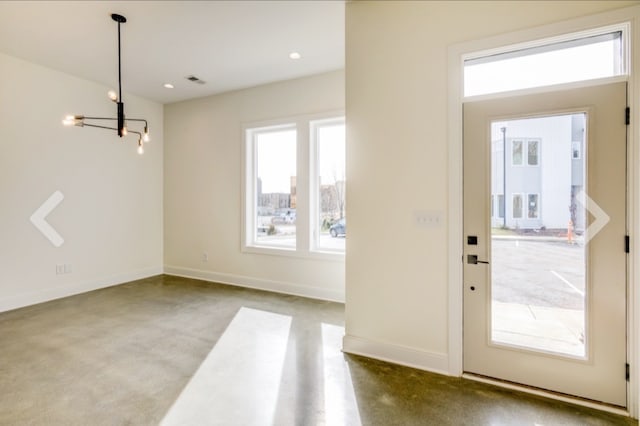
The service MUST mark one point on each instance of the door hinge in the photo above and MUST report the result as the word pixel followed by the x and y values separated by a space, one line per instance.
pixel 627 243
pixel 627 116
pixel 627 374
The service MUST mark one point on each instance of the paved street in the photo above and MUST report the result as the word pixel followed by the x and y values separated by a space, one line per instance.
pixel 540 273
pixel 538 294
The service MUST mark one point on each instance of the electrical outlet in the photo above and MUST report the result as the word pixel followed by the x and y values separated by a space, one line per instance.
pixel 205 257
pixel 63 269
pixel 427 218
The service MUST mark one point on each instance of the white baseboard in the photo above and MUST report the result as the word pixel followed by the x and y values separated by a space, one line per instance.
pixel 45 295
pixel 258 283
pixel 410 357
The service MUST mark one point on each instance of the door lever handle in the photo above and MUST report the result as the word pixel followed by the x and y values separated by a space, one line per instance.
pixel 472 259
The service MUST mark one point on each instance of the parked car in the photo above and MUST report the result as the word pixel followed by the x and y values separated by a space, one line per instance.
pixel 338 228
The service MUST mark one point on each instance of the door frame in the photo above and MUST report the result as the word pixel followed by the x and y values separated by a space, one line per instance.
pixel 457 53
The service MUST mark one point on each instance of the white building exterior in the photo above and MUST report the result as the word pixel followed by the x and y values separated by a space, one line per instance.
pixel 544 172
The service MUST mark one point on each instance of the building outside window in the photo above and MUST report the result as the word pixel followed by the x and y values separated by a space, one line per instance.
pixel 517 152
pixel 533 208
pixel 533 149
pixel 576 150
pixel 517 206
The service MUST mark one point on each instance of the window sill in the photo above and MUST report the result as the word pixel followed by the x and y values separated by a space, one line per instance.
pixel 331 256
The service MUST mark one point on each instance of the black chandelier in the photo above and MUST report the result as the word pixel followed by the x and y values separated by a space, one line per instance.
pixel 81 120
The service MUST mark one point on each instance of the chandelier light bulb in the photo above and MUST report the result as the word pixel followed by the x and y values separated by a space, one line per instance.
pixel 146 137
pixel 69 120
pixel 140 148
pixel 113 95
pixel 124 131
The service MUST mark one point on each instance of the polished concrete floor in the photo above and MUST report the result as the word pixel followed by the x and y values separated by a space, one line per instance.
pixel 175 351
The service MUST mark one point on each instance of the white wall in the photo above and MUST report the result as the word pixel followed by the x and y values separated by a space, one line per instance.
pixel 396 103
pixel 111 215
pixel 203 187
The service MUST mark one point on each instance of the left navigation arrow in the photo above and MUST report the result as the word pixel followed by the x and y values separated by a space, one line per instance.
pixel 37 218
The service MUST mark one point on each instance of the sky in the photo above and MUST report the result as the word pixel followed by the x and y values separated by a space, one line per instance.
pixel 276 153
pixel 580 63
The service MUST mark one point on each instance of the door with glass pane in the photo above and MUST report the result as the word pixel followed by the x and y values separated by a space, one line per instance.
pixel 544 253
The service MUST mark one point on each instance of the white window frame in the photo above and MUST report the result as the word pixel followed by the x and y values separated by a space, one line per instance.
pixel 314 127
pixel 250 188
pixel 514 48
pixel 305 159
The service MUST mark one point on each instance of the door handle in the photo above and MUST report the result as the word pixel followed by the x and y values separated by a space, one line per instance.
pixel 472 259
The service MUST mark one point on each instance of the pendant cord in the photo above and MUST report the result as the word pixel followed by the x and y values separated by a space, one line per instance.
pixel 119 68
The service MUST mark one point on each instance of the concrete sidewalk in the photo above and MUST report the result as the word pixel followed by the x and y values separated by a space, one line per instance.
pixel 539 327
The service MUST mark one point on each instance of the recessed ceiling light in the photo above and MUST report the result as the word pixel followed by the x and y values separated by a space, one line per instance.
pixel 168 85
pixel 295 55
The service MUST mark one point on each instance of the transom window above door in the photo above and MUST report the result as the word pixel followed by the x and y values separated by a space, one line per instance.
pixel 570 58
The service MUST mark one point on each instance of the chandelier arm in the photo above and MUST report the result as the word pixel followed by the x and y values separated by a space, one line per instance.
pixel 111 128
pixel 97 126
pixel 84 117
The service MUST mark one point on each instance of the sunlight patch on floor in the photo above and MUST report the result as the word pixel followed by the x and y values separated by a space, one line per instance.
pixel 340 403
pixel 239 381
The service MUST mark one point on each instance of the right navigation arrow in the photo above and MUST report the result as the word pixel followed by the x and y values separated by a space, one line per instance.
pixel 600 218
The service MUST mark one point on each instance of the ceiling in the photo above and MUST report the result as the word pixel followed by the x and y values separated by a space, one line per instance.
pixel 228 44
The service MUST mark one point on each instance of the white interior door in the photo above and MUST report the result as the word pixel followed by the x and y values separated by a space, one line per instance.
pixel 544 250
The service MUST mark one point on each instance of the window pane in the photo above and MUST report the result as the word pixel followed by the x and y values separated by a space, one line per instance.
pixel 275 185
pixel 533 206
pixel 330 151
pixel 576 150
pixel 501 206
pixel 516 153
pixel 537 257
pixel 581 59
pixel 532 156
pixel 517 206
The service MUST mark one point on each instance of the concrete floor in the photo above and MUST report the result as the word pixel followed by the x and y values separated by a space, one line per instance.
pixel 169 350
